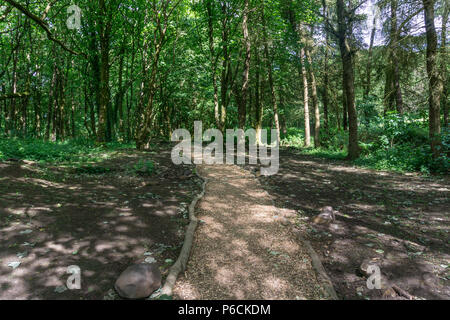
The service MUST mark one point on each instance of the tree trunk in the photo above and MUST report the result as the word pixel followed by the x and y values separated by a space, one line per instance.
pixel 242 107
pixel 325 76
pixel 435 83
pixel 271 84
pixel 258 105
pixel 348 80
pixel 314 100
pixel 369 58
pixel 213 61
pixel 307 142
pixel 105 29
pixel 393 91
pixel 444 57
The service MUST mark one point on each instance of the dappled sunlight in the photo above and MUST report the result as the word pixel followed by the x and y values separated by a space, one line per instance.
pixel 241 251
pixel 101 223
pixel 401 219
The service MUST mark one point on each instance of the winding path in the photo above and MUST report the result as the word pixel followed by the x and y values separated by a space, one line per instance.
pixel 244 247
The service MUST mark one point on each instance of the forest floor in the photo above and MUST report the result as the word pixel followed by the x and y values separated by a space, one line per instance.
pixel 399 221
pixel 242 249
pixel 105 216
pixel 101 217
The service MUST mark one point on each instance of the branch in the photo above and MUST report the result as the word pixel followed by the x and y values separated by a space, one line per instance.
pixel 47 9
pixel 43 26
pixel 14 95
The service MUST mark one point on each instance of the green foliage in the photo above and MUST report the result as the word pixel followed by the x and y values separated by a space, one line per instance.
pixel 144 167
pixel 394 142
pixel 45 151
pixel 294 138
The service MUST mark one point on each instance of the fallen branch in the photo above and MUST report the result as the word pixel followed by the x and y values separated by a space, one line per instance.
pixel 180 264
pixel 318 267
pixel 402 292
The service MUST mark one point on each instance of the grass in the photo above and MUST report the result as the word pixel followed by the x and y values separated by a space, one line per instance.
pixel 410 154
pixel 71 151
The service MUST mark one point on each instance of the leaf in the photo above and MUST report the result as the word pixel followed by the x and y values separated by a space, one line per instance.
pixel 150 260
pixel 14 264
pixel 60 289
pixel 26 231
pixel 22 255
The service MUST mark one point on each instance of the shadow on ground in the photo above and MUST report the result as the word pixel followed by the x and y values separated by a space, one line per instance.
pixel 100 220
pixel 400 220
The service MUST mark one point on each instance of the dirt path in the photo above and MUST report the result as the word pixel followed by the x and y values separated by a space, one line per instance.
pixel 243 247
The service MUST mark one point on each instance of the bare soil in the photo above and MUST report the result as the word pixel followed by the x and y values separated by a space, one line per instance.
pixel 101 218
pixel 401 221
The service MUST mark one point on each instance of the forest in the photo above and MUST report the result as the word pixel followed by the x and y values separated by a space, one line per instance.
pixel 356 91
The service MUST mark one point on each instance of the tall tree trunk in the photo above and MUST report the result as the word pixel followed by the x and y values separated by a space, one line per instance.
pixel 244 91
pixel 393 91
pixel 270 73
pixel 444 59
pixel 213 61
pixel 307 142
pixel 258 105
pixel 348 79
pixel 369 58
pixel 51 101
pixel 435 83
pixel 325 75
pixel 314 100
pixel 105 30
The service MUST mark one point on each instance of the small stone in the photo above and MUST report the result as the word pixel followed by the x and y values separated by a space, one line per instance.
pixel 60 289
pixel 284 221
pixel 138 281
pixel 389 293
pixel 14 264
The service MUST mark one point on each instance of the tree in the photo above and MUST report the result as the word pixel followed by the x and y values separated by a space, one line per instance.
pixel 343 33
pixel 435 87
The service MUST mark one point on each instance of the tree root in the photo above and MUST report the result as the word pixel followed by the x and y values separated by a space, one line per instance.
pixel 180 264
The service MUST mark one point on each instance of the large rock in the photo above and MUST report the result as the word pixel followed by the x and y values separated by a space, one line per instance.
pixel 138 281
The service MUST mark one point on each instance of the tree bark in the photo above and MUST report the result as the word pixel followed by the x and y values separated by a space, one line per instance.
pixel 242 107
pixel 348 79
pixel 270 73
pixel 314 100
pixel 444 58
pixel 434 79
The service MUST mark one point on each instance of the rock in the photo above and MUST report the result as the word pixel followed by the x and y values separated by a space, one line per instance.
pixel 284 221
pixel 366 263
pixel 138 281
pixel 389 293
pixel 326 216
